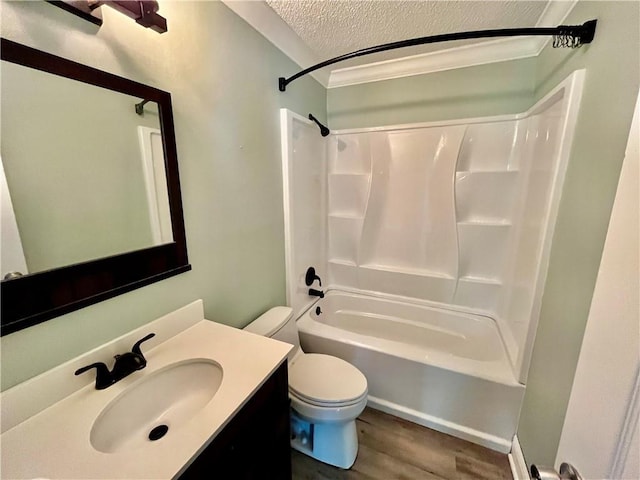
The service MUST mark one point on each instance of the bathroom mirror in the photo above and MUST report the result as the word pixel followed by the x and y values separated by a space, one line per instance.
pixel 91 204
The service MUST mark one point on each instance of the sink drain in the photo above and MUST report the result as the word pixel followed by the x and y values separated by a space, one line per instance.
pixel 158 432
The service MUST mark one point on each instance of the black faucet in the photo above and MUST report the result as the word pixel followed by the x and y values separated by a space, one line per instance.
pixel 311 277
pixel 125 365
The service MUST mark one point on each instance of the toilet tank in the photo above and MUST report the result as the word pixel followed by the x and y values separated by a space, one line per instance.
pixel 277 323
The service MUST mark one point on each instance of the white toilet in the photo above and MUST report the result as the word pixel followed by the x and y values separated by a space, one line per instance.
pixel 327 394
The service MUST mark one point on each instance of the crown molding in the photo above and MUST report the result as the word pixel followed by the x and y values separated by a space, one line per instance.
pixel 268 23
pixel 493 51
pixel 554 14
pixel 450 59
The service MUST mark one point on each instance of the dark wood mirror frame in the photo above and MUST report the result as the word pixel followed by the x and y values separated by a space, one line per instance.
pixel 37 297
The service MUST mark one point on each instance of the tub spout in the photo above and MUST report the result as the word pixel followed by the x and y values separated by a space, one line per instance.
pixel 316 293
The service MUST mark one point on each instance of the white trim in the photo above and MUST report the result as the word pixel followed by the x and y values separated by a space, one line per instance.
pixel 483 53
pixel 518 464
pixel 571 88
pixel 554 14
pixel 155 185
pixel 493 51
pixel 435 423
pixel 268 23
pixel 12 257
pixel 286 125
pixel 629 426
pixel 272 27
pixel 633 408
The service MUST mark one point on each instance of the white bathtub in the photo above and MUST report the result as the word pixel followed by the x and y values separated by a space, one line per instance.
pixel 439 368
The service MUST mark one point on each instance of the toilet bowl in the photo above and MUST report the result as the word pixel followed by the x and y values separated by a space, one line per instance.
pixel 327 394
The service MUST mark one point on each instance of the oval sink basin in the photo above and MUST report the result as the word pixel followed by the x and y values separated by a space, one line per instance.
pixel 156 405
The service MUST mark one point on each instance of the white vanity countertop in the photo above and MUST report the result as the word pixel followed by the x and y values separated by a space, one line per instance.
pixel 55 443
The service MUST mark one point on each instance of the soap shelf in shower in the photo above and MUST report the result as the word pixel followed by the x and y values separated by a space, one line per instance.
pixel 483 293
pixel 353 176
pixel 486 196
pixel 344 236
pixel 412 282
pixel 479 172
pixel 482 248
pixel 346 216
pixel 482 280
pixel 414 271
pixel 348 193
pixel 393 269
pixel 344 263
pixel 481 222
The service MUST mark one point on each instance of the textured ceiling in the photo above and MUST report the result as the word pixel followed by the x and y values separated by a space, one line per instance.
pixel 334 27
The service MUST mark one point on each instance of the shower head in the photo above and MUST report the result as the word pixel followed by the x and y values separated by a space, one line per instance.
pixel 324 131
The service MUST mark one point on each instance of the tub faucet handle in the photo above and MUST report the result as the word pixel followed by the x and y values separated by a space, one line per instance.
pixel 311 277
pixel 316 293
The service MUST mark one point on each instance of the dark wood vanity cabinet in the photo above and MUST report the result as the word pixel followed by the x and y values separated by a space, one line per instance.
pixel 255 443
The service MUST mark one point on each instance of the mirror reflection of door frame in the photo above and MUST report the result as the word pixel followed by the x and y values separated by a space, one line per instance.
pixel 152 156
pixel 12 258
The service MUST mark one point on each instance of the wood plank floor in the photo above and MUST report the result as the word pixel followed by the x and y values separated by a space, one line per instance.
pixel 394 449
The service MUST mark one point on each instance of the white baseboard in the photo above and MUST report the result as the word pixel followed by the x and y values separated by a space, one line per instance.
pixel 475 436
pixel 517 462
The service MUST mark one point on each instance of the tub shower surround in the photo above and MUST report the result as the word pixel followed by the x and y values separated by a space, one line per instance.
pixel 458 215
pixel 434 213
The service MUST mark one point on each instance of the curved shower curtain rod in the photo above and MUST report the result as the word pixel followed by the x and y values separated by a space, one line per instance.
pixel 564 36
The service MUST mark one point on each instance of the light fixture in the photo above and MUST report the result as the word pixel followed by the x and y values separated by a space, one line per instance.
pixel 144 12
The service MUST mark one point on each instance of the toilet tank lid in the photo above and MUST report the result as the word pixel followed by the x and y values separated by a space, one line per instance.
pixel 270 321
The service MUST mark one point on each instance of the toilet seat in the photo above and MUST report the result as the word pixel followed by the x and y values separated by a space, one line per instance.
pixel 324 414
pixel 326 381
pixel 318 403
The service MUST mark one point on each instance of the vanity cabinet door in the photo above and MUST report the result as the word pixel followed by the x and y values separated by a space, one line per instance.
pixel 255 443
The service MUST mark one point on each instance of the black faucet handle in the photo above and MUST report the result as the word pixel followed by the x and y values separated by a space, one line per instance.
pixel 311 276
pixel 316 293
pixel 136 346
pixel 103 376
pixel 98 366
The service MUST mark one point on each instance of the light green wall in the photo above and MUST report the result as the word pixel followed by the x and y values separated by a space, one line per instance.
pixel 74 199
pixel 610 90
pixel 222 76
pixel 483 90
